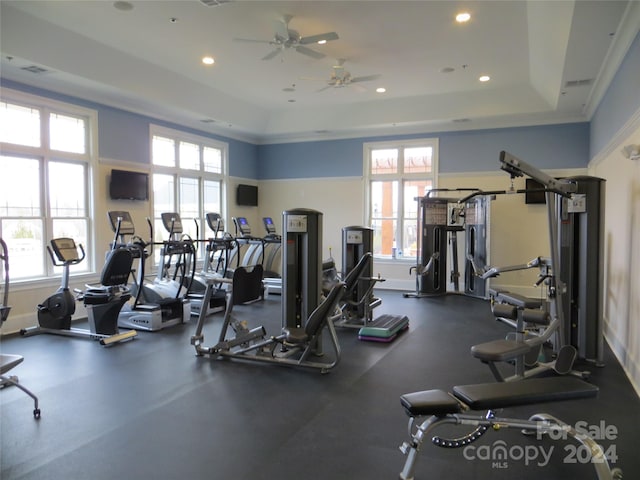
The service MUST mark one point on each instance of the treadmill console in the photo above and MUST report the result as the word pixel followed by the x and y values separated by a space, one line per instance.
pixel 268 225
pixel 242 226
pixel 271 230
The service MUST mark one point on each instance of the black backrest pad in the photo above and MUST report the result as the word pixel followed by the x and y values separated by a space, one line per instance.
pixel 247 284
pixel 486 396
pixel 117 268
pixel 351 279
pixel 322 311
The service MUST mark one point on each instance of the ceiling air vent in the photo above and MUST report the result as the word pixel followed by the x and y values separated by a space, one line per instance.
pixel 214 3
pixel 35 69
pixel 578 83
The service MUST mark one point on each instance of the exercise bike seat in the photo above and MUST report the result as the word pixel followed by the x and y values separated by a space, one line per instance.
pixel 115 273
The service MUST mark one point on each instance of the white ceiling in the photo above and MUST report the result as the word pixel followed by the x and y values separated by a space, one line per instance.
pixel 144 62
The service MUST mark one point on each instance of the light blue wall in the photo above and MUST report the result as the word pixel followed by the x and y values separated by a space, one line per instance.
pixel 620 102
pixel 125 136
pixel 548 146
pixel 330 158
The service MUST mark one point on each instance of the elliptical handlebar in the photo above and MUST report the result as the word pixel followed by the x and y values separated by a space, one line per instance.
pixel 151 242
pixel 4 258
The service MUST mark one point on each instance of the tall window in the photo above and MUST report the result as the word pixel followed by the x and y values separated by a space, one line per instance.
pixel 398 173
pixel 189 178
pixel 45 161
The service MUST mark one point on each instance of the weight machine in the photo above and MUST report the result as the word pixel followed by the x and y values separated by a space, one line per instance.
pixel 559 279
pixel 440 221
pixel 304 316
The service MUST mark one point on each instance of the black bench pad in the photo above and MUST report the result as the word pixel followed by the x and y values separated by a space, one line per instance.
pixel 518 300
pixel 499 350
pixel 525 392
pixel 429 402
pixel 489 396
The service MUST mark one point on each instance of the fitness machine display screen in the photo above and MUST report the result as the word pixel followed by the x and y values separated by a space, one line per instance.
pixel 268 224
pixel 243 225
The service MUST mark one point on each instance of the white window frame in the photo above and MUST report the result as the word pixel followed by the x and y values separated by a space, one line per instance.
pixel 177 172
pixel 400 176
pixel 45 155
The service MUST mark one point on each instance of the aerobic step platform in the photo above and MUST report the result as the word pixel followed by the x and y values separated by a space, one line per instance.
pixel 385 328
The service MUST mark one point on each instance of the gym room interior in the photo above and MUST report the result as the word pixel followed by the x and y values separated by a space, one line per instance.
pixel 336 117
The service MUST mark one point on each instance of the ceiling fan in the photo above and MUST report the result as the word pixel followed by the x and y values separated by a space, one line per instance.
pixel 285 38
pixel 341 78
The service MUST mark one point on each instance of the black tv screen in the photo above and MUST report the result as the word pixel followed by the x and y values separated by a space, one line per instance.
pixel 127 185
pixel 534 192
pixel 247 195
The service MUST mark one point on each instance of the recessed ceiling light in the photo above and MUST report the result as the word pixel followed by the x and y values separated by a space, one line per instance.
pixel 208 60
pixel 484 78
pixel 321 42
pixel 381 89
pixel 463 17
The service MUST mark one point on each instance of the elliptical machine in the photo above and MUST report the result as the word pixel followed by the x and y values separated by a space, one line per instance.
pixel 151 310
pixel 103 303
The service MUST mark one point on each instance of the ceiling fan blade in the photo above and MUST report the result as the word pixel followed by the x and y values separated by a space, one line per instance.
pixel 366 78
pixel 281 27
pixel 272 54
pixel 317 38
pixel 250 40
pixel 309 53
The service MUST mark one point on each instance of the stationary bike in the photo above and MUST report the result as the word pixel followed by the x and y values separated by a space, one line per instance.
pixel 103 302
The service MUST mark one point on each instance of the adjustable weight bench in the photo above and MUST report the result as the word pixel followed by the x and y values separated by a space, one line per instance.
pixel 442 408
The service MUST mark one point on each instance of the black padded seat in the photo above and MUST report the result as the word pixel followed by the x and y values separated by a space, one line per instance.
pixel 500 350
pixel 526 392
pixel 519 301
pixel 429 402
pixel 102 297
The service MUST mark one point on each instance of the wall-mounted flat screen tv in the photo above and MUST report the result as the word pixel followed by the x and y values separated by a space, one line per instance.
pixel 247 195
pixel 534 192
pixel 127 185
